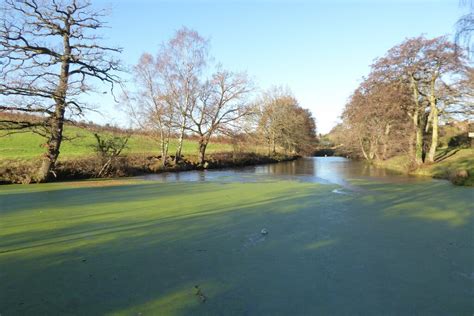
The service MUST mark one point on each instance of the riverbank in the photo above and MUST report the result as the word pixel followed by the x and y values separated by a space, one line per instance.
pixel 453 164
pixel 23 171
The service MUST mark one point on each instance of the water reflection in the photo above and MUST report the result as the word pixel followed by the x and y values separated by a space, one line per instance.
pixel 336 170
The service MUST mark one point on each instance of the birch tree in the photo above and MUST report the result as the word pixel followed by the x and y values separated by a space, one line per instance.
pixel 150 105
pixel 180 64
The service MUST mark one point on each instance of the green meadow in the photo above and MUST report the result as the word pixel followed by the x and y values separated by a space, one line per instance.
pixel 29 145
pixel 449 161
pixel 131 247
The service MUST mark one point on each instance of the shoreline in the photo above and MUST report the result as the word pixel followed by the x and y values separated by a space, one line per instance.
pixel 458 173
pixel 131 166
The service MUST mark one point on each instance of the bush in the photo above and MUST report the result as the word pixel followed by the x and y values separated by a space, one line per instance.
pixel 17 171
pixel 108 149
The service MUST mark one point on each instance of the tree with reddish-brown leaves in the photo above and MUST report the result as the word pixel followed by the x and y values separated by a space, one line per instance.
pixel 430 68
pixel 375 118
pixel 283 123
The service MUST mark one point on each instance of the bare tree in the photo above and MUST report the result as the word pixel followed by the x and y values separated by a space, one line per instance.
pixel 465 27
pixel 221 103
pixel 150 105
pixel 180 64
pixel 49 56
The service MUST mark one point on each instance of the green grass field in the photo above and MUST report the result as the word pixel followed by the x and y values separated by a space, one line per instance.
pixel 129 247
pixel 28 145
pixel 449 161
pixel 452 160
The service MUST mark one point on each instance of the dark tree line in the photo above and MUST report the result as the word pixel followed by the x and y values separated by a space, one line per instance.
pixel 179 91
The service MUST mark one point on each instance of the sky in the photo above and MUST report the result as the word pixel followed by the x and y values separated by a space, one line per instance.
pixel 319 49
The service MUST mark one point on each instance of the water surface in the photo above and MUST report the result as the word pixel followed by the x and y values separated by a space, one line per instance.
pixel 343 238
pixel 326 170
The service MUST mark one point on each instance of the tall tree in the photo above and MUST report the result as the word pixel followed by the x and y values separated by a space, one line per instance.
pixel 180 65
pixel 50 54
pixel 150 105
pixel 405 63
pixel 375 119
pixel 444 61
pixel 222 102
pixel 425 78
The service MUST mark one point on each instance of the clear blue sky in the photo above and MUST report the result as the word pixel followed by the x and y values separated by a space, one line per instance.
pixel 319 49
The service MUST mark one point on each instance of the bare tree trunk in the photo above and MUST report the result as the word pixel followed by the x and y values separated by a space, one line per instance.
pixel 385 143
pixel 203 142
pixel 363 149
pixel 434 124
pixel 373 150
pixel 418 141
pixel 164 147
pixel 177 158
pixel 418 144
pixel 53 144
pixel 202 152
pixel 57 120
pixel 417 124
pixel 434 135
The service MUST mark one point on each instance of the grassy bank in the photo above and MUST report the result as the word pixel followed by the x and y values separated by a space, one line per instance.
pixel 20 156
pixel 454 164
pixel 24 171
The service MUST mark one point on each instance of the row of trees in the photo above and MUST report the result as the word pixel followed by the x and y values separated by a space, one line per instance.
pixel 399 106
pixel 51 56
pixel 180 92
pixel 282 123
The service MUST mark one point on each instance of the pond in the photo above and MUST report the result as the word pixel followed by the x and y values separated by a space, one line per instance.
pixel 325 236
